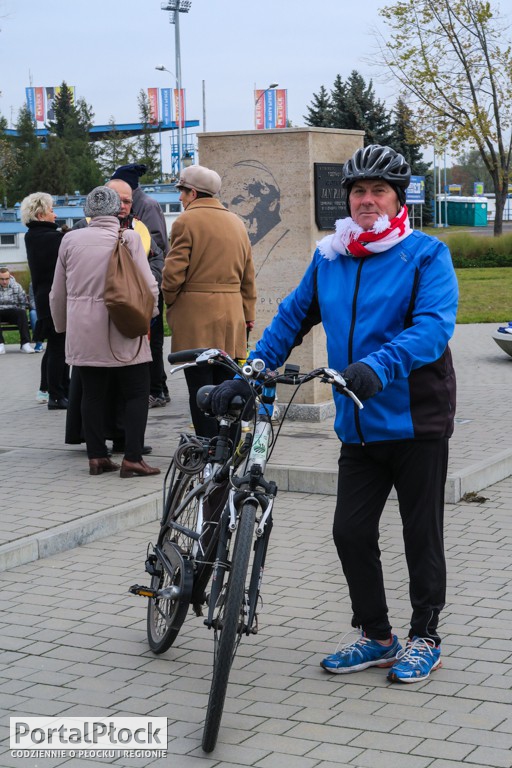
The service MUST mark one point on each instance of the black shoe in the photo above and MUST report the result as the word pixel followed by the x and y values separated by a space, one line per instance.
pixel 119 448
pixel 58 405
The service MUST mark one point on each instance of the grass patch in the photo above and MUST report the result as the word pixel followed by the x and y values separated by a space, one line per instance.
pixel 484 295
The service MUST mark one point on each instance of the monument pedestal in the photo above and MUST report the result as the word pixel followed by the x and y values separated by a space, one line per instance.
pixel 285 186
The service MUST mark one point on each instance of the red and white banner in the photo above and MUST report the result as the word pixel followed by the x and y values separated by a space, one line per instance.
pixel 153 105
pixel 259 109
pixel 281 109
pixel 39 96
pixel 179 107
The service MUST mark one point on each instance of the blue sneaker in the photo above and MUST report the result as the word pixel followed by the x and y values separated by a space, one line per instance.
pixel 416 661
pixel 352 657
pixel 39 347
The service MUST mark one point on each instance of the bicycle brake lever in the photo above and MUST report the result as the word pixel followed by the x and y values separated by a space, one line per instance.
pixel 334 377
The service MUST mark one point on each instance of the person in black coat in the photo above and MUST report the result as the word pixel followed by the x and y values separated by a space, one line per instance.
pixel 42 242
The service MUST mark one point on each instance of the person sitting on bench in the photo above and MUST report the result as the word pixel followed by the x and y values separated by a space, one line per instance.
pixel 13 309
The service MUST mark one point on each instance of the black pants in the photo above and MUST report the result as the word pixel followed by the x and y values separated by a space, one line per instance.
pixel 198 377
pixel 156 342
pixel 417 469
pixel 54 369
pixel 132 382
pixel 16 317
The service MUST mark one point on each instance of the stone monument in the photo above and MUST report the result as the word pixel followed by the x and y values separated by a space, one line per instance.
pixel 285 185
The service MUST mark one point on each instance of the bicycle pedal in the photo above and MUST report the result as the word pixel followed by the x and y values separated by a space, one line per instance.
pixel 137 589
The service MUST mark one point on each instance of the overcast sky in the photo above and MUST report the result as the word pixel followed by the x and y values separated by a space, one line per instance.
pixel 108 50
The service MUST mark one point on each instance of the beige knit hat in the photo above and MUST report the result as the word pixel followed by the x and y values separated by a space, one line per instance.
pixel 199 178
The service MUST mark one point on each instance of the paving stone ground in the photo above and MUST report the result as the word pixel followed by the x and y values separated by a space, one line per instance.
pixel 74 643
pixel 73 639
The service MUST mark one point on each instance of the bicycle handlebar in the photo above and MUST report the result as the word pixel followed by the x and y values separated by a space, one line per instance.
pixel 255 369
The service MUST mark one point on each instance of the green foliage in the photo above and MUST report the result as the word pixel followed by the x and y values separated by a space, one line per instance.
pixel 476 251
pixel 320 113
pixel 454 58
pixel 351 105
pixel 146 148
pixel 114 150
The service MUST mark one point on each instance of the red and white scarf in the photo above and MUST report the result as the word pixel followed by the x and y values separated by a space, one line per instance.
pixel 353 239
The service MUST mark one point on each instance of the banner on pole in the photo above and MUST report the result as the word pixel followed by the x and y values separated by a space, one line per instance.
pixel 179 107
pixel 281 108
pixel 153 105
pixel 31 101
pixel 270 108
pixel 165 98
pixel 50 108
pixel 39 104
pixel 259 110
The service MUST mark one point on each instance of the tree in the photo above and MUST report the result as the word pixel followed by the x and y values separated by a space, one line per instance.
pixel 52 171
pixel 320 113
pixel 449 55
pixel 146 149
pixel 28 149
pixel 70 128
pixel 351 105
pixel 470 168
pixel 405 140
pixel 8 162
pixel 364 112
pixel 114 150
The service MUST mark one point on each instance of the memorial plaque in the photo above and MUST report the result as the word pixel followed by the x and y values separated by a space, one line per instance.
pixel 330 199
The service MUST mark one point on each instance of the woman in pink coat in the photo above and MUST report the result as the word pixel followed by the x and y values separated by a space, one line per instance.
pixel 93 343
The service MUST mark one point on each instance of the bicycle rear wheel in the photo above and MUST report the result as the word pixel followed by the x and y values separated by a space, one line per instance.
pixel 173 571
pixel 231 621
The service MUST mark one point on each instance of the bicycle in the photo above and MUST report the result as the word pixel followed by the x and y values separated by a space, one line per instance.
pixel 217 512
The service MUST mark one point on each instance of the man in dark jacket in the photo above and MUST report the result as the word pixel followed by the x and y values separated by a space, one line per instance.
pixel 147 210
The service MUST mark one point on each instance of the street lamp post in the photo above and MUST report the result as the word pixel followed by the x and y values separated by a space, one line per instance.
pixel 175 7
pixel 271 87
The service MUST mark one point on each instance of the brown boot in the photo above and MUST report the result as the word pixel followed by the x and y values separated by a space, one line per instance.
pixel 137 469
pixel 98 466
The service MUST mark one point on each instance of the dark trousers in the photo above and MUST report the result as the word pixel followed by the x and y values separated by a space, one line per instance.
pixel 54 369
pixel 156 342
pixel 132 382
pixel 16 317
pixel 417 469
pixel 198 377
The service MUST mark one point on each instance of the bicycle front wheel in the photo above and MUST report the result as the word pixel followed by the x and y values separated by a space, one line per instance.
pixel 230 624
pixel 166 613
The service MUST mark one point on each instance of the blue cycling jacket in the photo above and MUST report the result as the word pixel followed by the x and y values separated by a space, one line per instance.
pixel 394 311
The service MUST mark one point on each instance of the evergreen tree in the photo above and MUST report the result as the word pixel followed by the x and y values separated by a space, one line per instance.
pixel 28 150
pixel 146 148
pixel 70 128
pixel 114 150
pixel 403 138
pixel 364 112
pixel 52 170
pixel 320 113
pixel 351 105
pixel 8 163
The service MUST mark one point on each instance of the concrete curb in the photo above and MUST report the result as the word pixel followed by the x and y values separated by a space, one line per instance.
pixel 148 509
pixel 81 531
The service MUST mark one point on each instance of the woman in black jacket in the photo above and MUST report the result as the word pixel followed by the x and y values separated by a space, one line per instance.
pixel 42 242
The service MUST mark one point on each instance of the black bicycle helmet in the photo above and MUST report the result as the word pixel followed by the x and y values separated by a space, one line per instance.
pixel 377 162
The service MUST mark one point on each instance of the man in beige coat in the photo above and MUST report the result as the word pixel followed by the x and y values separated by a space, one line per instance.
pixel 208 282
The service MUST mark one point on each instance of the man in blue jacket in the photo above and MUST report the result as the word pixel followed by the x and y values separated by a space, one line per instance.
pixel 387 298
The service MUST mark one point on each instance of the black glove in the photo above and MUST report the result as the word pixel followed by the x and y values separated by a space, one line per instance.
pixel 362 380
pixel 221 396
